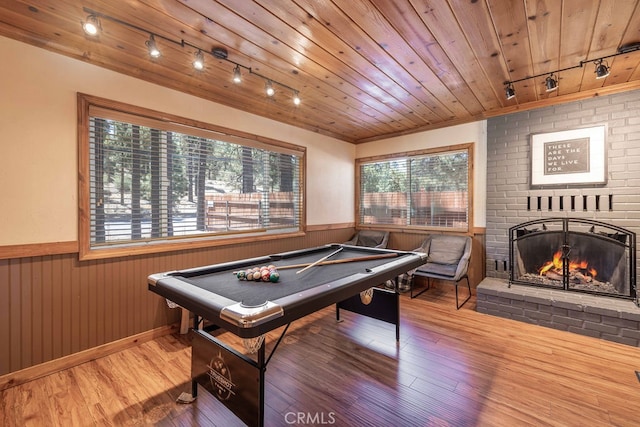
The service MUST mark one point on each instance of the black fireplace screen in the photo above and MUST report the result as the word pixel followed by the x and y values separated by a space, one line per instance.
pixel 574 254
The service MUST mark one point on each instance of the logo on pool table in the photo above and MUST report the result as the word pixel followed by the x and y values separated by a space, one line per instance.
pixel 220 377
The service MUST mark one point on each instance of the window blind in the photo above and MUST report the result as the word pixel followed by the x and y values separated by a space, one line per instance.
pixel 421 190
pixel 153 180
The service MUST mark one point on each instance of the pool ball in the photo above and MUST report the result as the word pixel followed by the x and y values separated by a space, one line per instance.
pixel 241 275
pixel 274 276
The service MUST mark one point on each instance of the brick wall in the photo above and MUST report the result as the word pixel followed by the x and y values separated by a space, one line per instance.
pixel 509 169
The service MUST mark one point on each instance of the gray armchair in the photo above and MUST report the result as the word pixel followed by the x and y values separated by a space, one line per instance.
pixel 447 259
pixel 370 238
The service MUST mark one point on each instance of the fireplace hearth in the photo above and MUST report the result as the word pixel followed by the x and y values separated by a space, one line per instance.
pixel 574 255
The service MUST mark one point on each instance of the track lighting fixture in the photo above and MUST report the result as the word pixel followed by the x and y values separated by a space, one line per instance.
pixel 92 27
pixel 602 70
pixel 268 88
pixel 154 52
pixel 198 62
pixel 510 91
pixel 551 83
pixel 237 76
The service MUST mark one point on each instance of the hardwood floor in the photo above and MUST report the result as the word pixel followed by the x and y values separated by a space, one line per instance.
pixel 450 368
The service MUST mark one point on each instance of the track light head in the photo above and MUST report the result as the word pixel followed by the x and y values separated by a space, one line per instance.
pixel 510 92
pixel 154 52
pixel 237 76
pixel 602 70
pixel 198 62
pixel 551 83
pixel 268 87
pixel 91 26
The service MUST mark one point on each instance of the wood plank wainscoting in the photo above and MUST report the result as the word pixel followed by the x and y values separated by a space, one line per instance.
pixel 54 309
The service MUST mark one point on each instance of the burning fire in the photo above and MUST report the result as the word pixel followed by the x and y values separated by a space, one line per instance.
pixel 574 266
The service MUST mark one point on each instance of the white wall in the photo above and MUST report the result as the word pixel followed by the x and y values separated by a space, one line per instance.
pixel 475 132
pixel 38 143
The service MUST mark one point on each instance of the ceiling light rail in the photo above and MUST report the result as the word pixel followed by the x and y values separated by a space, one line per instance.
pixel 551 82
pixel 92 27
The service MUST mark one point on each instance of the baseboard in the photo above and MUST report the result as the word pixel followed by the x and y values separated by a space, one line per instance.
pixel 31 373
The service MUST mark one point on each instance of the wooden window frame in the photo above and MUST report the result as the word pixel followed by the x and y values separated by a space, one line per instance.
pixel 87 251
pixel 468 147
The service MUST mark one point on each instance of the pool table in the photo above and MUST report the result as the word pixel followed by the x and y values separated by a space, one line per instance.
pixel 309 280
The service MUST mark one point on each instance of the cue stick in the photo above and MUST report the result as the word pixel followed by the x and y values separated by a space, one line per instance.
pixel 319 261
pixel 339 261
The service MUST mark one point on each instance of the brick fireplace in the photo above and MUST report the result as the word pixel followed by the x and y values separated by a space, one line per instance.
pixel 511 201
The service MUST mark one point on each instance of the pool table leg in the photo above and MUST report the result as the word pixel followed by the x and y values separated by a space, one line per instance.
pixel 397 321
pixel 262 364
pixel 196 321
pixel 194 388
pixel 184 321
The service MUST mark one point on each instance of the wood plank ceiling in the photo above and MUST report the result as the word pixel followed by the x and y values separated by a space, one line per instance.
pixel 364 69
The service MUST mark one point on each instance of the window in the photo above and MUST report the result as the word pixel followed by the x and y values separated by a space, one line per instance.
pixel 150 182
pixel 428 189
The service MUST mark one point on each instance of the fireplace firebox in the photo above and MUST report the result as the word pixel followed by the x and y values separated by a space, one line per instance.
pixel 574 254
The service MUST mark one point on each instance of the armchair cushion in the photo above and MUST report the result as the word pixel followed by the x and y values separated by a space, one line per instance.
pixel 443 270
pixel 446 250
pixel 370 238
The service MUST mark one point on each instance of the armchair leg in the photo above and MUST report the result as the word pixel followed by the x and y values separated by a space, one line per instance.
pixel 422 291
pixel 468 296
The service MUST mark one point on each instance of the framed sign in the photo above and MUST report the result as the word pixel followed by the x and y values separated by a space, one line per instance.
pixel 569 158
